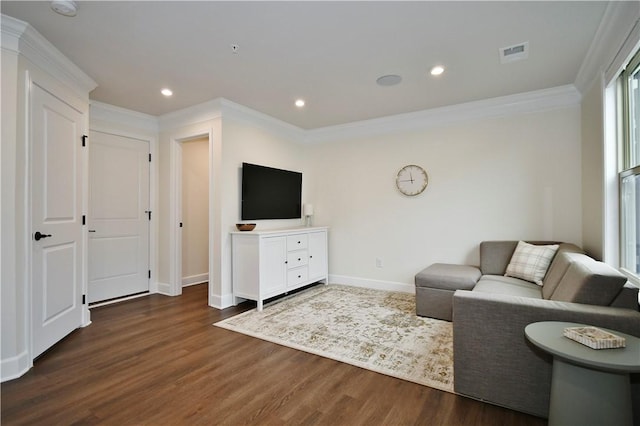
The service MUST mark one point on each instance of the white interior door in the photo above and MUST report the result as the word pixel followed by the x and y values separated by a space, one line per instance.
pixel 56 218
pixel 118 216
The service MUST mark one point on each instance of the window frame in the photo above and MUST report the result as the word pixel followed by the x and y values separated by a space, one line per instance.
pixel 628 166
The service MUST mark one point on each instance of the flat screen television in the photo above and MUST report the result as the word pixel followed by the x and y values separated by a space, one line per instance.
pixel 269 193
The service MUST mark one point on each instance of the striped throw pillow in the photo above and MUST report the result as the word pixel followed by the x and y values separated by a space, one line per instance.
pixel 530 262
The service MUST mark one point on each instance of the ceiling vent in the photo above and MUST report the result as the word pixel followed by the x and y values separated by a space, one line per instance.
pixel 514 53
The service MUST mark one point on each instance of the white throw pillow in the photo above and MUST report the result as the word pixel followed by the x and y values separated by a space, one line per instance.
pixel 530 262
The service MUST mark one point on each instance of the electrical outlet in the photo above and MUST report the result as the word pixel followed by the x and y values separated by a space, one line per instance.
pixel 378 262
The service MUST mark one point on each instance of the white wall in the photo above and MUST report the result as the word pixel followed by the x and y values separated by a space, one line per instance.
pixel 593 171
pixel 13 285
pixel 515 177
pixel 195 211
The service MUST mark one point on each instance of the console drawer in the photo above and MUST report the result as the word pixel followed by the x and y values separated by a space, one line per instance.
pixel 297 276
pixel 297 258
pixel 297 242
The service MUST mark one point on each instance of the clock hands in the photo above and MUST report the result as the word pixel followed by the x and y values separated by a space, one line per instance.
pixel 408 180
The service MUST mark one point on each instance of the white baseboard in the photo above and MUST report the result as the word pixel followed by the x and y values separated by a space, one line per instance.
pixel 195 279
pixel 221 302
pixel 373 284
pixel 164 288
pixel 14 367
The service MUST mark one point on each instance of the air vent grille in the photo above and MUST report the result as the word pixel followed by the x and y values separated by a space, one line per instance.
pixel 514 53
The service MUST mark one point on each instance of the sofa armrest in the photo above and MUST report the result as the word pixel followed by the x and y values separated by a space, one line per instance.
pixel 493 360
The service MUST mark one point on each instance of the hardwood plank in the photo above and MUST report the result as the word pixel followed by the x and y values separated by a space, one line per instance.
pixel 159 360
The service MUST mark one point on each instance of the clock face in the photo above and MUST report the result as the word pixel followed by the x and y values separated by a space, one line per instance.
pixel 412 180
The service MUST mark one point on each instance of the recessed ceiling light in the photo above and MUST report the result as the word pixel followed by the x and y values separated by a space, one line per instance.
pixel 389 80
pixel 300 103
pixel 64 7
pixel 166 92
pixel 437 70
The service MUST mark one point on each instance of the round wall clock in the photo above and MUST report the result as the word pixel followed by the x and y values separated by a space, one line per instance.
pixel 412 180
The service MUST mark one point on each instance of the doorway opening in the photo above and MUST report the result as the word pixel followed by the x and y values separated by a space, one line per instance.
pixel 190 212
pixel 195 211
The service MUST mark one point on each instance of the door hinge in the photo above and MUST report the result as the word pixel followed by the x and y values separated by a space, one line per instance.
pixel 149 213
pixel 84 140
pixel 84 299
pixel 84 219
pixel 180 224
pixel 149 273
pixel 149 157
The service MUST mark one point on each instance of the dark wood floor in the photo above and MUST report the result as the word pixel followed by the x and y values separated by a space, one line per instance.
pixel 158 360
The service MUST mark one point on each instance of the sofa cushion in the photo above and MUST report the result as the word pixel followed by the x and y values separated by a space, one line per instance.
pixel 627 298
pixel 495 255
pixel 588 281
pixel 507 286
pixel 558 268
pixel 530 262
pixel 446 276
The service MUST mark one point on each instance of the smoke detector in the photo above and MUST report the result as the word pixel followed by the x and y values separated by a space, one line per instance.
pixel 514 53
pixel 65 7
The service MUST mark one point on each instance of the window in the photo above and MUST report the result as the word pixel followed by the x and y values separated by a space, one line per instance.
pixel 629 113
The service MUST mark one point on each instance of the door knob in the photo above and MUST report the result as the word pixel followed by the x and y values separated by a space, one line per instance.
pixel 38 236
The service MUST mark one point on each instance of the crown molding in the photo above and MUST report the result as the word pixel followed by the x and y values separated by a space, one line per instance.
pixel 540 100
pixel 224 108
pixel 617 22
pixel 199 113
pixel 629 47
pixel 12 29
pixel 239 112
pixel 111 114
pixel 22 38
pixel 522 103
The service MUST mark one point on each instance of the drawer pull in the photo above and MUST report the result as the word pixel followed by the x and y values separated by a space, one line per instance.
pixel 299 259
pixel 298 242
pixel 299 276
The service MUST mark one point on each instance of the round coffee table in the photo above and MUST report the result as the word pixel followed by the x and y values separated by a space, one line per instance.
pixel 588 386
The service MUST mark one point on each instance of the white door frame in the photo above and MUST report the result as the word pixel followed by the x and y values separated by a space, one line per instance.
pixel 175 208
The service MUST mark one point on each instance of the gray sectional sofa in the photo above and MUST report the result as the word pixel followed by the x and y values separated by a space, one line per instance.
pixel 493 361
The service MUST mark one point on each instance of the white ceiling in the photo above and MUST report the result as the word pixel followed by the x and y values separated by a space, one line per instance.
pixel 329 53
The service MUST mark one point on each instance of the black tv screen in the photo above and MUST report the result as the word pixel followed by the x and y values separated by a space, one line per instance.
pixel 269 193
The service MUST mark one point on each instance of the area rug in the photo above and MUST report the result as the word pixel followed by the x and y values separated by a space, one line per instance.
pixel 372 329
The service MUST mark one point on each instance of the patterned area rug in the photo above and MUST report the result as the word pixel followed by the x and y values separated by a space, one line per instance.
pixel 372 329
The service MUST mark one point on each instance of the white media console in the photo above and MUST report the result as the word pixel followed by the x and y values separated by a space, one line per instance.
pixel 273 262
